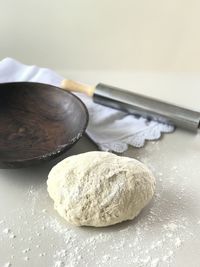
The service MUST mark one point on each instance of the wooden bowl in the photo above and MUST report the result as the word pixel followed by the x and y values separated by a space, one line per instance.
pixel 38 122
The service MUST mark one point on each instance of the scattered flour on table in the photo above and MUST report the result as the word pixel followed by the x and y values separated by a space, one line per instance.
pixel 6 231
pixel 26 250
pixel 126 243
pixel 151 240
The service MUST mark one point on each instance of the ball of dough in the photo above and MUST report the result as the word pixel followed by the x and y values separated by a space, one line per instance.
pixel 100 188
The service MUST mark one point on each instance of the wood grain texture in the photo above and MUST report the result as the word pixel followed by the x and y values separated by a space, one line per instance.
pixel 37 122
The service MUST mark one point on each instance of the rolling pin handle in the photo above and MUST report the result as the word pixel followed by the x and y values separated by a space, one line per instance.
pixel 73 86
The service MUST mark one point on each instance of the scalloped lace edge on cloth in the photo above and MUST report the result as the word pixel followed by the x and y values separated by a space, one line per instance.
pixel 137 140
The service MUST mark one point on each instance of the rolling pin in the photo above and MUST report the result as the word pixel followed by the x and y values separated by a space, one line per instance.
pixel 137 104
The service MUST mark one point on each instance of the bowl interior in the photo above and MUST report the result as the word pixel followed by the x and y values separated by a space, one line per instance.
pixel 37 122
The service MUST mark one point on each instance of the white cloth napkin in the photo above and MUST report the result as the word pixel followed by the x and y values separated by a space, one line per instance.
pixel 110 129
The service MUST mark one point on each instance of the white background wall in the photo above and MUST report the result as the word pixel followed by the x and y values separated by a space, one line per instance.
pixel 151 35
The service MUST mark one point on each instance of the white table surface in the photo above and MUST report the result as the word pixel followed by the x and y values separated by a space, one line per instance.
pixel 166 233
